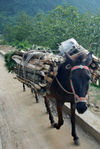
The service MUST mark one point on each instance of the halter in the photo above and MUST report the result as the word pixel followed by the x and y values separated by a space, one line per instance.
pixel 78 99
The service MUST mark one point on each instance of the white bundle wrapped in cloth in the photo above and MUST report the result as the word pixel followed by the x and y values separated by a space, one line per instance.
pixel 71 47
pixel 68 46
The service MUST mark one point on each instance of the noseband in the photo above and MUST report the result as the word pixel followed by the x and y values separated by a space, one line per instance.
pixel 78 99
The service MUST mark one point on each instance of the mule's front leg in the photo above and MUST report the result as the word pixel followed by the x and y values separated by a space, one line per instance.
pixel 76 139
pixel 60 117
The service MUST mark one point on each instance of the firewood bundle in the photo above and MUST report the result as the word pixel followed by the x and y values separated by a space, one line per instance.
pixel 95 77
pixel 36 69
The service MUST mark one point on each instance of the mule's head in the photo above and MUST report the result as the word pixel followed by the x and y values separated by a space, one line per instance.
pixel 79 79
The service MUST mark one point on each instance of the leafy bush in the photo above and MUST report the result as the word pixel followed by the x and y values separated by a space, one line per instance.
pixel 9 62
pixel 97 86
pixel 21 45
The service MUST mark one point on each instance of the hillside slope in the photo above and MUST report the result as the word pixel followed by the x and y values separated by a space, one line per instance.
pixel 13 7
pixel 31 7
pixel 9 9
pixel 87 5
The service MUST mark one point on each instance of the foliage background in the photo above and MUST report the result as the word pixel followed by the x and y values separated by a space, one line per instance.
pixel 28 22
pixel 9 9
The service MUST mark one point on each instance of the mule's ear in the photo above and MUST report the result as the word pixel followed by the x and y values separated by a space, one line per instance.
pixel 89 59
pixel 68 58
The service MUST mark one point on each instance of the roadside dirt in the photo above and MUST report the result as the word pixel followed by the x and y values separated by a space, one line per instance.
pixel 6 48
pixel 24 123
pixel 94 99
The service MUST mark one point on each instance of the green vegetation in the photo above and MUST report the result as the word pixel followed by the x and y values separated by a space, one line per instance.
pixel 52 28
pixel 31 7
pixel 10 9
pixel 96 86
pixel 98 97
pixel 9 62
pixel 92 6
pixel 94 93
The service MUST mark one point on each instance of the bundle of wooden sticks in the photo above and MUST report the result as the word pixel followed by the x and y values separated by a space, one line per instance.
pixel 36 69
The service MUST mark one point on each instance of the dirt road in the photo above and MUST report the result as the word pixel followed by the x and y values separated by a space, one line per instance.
pixel 24 124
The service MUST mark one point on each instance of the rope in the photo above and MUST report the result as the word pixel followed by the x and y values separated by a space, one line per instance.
pixel 63 87
pixel 38 61
pixel 25 63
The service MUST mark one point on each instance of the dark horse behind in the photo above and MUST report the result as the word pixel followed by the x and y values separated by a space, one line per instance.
pixel 70 85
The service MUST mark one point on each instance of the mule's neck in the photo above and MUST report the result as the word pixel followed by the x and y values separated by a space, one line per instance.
pixel 64 77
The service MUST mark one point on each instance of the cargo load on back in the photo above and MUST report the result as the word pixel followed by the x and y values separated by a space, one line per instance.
pixel 37 68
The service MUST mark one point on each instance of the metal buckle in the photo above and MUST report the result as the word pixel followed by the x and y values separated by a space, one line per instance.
pixel 81 66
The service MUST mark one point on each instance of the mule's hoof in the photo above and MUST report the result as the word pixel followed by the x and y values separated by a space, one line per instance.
pixel 55 125
pixel 77 142
pixel 37 101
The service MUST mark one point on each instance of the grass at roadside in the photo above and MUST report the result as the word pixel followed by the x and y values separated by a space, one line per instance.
pixel 94 94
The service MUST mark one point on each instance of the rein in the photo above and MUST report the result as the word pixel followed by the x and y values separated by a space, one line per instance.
pixel 82 99
pixel 78 99
pixel 63 87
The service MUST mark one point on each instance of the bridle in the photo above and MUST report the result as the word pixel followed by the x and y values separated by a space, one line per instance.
pixel 78 99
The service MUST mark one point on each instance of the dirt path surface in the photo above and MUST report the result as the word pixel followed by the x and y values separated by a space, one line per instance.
pixel 24 124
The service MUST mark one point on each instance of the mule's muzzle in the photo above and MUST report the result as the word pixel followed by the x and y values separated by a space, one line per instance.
pixel 81 107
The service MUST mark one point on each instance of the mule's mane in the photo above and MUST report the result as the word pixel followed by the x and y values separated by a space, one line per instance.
pixel 79 55
pixel 78 58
